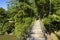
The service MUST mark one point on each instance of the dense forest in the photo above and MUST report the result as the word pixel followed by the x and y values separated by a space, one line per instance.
pixel 21 13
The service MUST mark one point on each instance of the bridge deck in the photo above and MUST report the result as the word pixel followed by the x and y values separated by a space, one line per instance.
pixel 36 32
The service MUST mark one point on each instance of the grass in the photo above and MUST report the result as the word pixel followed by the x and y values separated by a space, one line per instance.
pixel 8 37
pixel 54 37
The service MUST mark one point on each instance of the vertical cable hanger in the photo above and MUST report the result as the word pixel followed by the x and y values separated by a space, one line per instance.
pixel 49 14
pixel 50 8
pixel 24 5
pixel 34 5
pixel 31 15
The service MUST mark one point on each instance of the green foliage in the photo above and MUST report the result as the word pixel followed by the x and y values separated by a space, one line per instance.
pixel 58 12
pixel 22 19
pixel 3 19
pixel 21 29
pixel 18 29
pixel 0 28
pixel 46 21
pixel 2 11
pixel 21 13
pixel 42 1
pixel 52 23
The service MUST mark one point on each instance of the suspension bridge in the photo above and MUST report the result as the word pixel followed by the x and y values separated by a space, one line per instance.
pixel 36 32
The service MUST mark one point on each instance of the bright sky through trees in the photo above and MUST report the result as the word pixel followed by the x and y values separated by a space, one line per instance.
pixel 3 4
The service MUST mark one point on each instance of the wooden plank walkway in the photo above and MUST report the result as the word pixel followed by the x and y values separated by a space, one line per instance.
pixel 36 32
